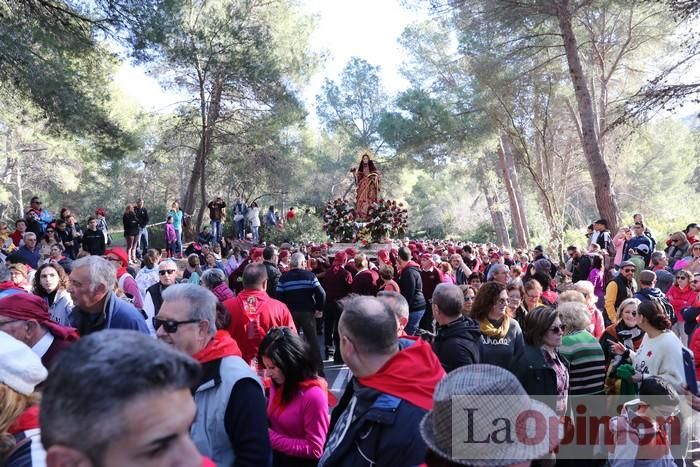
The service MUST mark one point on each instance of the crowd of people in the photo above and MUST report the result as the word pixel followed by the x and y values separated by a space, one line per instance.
pixel 116 355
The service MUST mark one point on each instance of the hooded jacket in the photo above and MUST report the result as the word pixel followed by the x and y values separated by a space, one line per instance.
pixel 270 313
pixel 411 286
pixel 458 343
pixel 377 420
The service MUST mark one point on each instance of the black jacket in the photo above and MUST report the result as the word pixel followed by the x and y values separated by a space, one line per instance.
pixel 581 268
pixel 131 224
pixel 141 216
pixel 458 343
pixel 273 278
pixel 94 242
pixel 537 377
pixel 411 286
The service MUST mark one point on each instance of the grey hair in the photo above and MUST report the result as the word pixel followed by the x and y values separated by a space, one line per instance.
pixel 202 302
pixel 212 277
pixel 297 260
pixel 394 302
pixel 168 262
pixel 574 315
pixel 494 269
pixel 656 257
pixel 449 299
pixel 4 273
pixel 96 378
pixel 28 235
pixel 100 271
pixel 587 289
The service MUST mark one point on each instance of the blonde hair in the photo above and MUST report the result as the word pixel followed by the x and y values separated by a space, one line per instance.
pixel 12 405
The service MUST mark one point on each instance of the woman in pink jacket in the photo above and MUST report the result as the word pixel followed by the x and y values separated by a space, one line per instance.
pixel 298 405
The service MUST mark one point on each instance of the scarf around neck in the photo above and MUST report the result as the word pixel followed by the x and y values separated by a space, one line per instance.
pixel 496 332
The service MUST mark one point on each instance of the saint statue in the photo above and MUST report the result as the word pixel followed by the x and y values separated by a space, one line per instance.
pixel 367 183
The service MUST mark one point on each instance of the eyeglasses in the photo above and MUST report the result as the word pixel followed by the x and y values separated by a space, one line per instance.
pixel 468 299
pixel 681 278
pixel 170 325
pixel 558 329
pixel 628 270
pixel 166 271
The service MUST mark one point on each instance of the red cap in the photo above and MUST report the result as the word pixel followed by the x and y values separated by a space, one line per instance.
pixel 350 252
pixel 383 255
pixel 257 253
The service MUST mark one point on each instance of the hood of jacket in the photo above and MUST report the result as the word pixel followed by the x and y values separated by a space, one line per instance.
pixel 461 327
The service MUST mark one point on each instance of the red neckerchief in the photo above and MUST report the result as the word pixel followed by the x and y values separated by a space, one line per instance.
pixel 27 421
pixel 206 462
pixel 411 374
pixel 222 345
pixel 277 405
pixel 410 263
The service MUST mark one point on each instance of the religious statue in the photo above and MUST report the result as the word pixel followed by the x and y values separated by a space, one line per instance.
pixel 367 183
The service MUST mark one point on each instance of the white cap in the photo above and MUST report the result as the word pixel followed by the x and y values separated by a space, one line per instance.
pixel 20 367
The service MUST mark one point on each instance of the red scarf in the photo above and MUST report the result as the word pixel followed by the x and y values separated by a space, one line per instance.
pixel 222 345
pixel 277 405
pixel 27 421
pixel 411 374
pixel 409 264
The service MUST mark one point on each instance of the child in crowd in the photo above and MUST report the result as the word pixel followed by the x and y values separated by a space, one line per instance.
pixel 170 237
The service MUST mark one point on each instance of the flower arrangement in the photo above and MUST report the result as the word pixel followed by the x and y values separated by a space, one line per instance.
pixel 387 218
pixel 339 220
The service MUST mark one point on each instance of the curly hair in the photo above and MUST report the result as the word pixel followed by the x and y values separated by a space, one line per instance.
pixel 486 298
pixel 63 280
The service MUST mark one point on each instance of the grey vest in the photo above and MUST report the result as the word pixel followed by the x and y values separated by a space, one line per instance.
pixel 208 431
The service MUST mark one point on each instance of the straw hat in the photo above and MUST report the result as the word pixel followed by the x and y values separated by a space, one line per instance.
pixel 485 396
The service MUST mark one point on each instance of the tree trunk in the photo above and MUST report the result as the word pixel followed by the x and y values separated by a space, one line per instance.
pixel 499 221
pixel 598 169
pixel 209 115
pixel 516 211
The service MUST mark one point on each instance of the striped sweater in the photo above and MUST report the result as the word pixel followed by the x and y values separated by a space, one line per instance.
pixel 587 363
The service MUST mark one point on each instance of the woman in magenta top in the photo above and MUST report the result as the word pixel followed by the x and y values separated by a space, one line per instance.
pixel 298 407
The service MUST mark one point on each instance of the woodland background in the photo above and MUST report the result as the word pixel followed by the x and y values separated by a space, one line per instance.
pixel 524 121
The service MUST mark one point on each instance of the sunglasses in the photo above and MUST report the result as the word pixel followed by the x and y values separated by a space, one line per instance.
pixel 166 271
pixel 633 313
pixel 468 299
pixel 170 325
pixel 628 270
pixel 558 329
pixel 681 278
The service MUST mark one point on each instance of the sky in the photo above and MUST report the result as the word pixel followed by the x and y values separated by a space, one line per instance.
pixel 369 29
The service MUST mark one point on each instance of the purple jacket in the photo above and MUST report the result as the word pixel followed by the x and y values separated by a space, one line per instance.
pixel 170 234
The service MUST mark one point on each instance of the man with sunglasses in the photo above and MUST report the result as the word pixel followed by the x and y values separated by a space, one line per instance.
pixel 621 287
pixel 167 271
pixel 231 422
